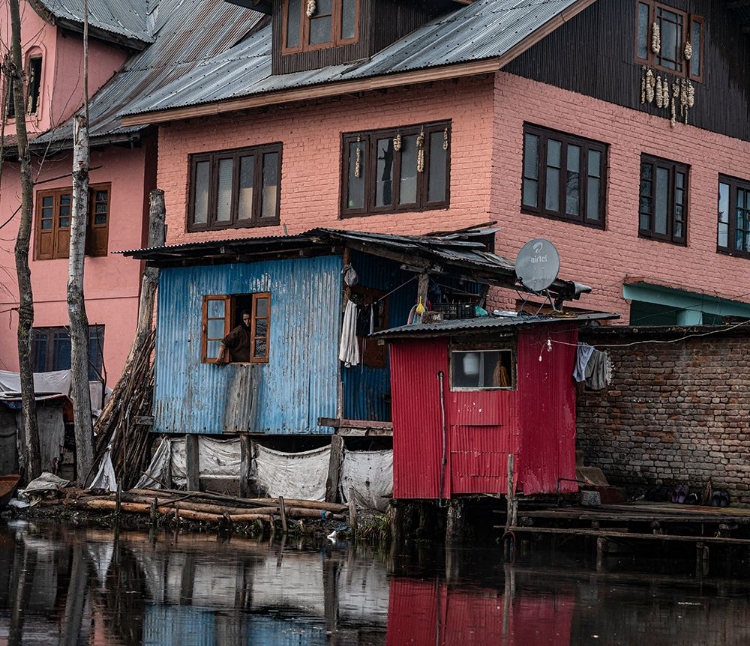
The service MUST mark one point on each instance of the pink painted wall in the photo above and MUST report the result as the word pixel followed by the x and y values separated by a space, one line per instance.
pixel 311 134
pixel 62 67
pixel 111 283
pixel 604 259
pixel 486 157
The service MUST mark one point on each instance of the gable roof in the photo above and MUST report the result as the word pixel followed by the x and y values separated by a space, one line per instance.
pixel 186 33
pixel 126 20
pixel 490 32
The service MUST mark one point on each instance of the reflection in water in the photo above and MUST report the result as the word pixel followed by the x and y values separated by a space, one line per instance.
pixel 64 586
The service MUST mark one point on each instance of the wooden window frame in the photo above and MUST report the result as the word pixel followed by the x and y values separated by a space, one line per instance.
pixel 53 335
pixel 230 311
pixel 673 168
pixel 93 229
pixel 213 158
pixel 304 22
pixel 687 28
pixel 587 146
pixel 734 185
pixel 368 141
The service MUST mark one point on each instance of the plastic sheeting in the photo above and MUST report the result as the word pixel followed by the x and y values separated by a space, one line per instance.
pixel 44 382
pixel 293 475
pixel 369 475
pixel 105 477
pixel 158 470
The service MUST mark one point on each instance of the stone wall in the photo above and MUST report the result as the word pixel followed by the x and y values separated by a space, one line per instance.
pixel 677 410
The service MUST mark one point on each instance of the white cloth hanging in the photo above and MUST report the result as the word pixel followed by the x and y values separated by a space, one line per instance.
pixel 349 348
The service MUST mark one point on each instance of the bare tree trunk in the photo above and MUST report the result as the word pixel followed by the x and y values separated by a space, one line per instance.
pixel 79 325
pixel 32 459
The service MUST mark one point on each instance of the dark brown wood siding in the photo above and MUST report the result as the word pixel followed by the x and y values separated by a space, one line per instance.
pixel 594 54
pixel 381 22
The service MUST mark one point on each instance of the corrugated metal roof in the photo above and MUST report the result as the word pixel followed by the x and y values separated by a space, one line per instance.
pixel 127 18
pixel 482 30
pixel 187 32
pixel 446 328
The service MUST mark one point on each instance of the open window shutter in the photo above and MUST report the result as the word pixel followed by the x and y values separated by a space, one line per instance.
pixel 45 236
pixel 214 325
pixel 97 230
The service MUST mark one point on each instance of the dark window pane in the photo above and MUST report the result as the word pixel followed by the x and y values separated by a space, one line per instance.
pixel 61 352
pixel 261 307
pixel 356 181
pixel 216 309
pixel 661 219
pixel 695 40
pixel 592 199
pixel 348 19
pixel 260 351
pixel 643 30
pixel 224 192
pixel 408 183
pixel 384 173
pixel 245 203
pixel 321 23
pixel 293 23
pixel 212 349
pixel 531 157
pixel 552 200
pixel 530 193
pixel 270 195
pixel 48 201
pixel 723 234
pixel 572 182
pixel 215 329
pixel 39 352
pixel 261 327
pixel 436 190
pixel 200 196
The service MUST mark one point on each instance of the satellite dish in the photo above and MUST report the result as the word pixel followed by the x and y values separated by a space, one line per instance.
pixel 537 264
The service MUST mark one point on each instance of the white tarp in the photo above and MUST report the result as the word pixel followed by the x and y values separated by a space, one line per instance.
pixel 219 458
pixel 370 475
pixel 292 475
pixel 44 382
pixel 158 470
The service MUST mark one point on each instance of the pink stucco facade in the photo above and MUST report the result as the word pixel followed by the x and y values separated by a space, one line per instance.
pixel 487 117
pixel 61 92
pixel 111 283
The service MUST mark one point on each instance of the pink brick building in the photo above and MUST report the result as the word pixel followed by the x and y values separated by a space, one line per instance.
pixel 628 197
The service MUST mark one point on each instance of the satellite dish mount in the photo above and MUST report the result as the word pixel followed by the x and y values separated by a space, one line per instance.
pixel 537 266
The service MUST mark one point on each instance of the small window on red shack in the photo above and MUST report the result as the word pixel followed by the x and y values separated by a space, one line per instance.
pixel 490 369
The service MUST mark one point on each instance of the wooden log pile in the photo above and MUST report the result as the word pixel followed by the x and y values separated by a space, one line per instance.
pixel 206 507
pixel 118 424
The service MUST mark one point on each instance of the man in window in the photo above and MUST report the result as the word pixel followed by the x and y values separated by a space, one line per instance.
pixel 237 342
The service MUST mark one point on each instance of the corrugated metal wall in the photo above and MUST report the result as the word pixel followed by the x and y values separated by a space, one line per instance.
pixel 296 386
pixel 547 410
pixel 367 390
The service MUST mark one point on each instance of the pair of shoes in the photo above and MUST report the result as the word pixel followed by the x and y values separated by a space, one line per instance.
pixel 720 498
pixel 680 494
pixel 692 499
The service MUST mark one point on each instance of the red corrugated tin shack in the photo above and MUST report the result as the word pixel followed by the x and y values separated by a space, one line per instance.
pixel 468 393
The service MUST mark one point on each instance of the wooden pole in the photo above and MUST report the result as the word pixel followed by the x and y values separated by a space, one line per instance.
pixel 282 511
pixel 192 462
pixel 334 467
pixel 246 456
pixel 352 511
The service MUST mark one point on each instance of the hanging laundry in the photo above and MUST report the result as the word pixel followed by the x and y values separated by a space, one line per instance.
pixel 598 370
pixel 363 320
pixel 349 348
pixel 583 354
pixel 350 276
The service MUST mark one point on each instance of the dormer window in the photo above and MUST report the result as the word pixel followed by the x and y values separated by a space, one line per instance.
pixel 319 24
pixel 33 88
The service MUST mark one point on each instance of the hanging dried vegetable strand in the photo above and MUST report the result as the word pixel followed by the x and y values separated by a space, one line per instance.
pixel 397 142
pixel 688 53
pixel 445 139
pixel 643 87
pixel 673 104
pixel 665 90
pixel 358 158
pixel 650 84
pixel 690 94
pixel 655 38
pixel 310 8
pixel 659 95
pixel 420 153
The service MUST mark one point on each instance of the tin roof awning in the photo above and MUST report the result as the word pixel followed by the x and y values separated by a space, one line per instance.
pixel 461 253
pixel 465 327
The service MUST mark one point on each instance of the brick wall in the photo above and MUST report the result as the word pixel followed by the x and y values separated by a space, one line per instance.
pixel 676 411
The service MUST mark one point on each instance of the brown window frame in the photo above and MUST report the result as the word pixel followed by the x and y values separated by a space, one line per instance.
pixel 369 148
pixel 673 168
pixel 61 243
pixel 734 185
pixel 586 146
pixel 304 28
pixel 256 218
pixel 230 312
pixel 688 20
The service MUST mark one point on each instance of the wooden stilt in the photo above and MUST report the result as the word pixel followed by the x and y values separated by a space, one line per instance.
pixel 352 512
pixel 192 460
pixel 282 512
